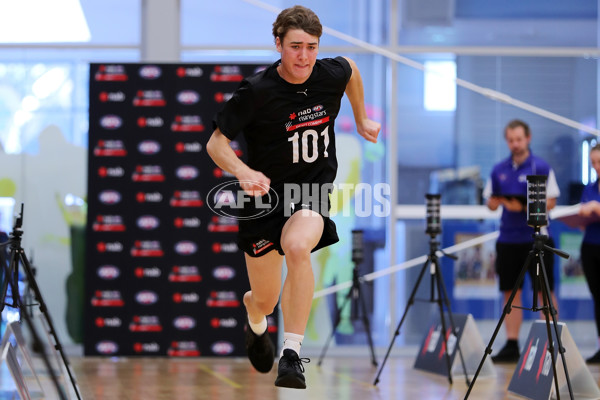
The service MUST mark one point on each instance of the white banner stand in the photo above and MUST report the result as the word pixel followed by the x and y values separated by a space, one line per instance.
pixel 10 350
pixel 431 357
pixel 533 377
pixel 60 369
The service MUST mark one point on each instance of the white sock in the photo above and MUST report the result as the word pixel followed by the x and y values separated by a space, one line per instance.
pixel 259 328
pixel 292 341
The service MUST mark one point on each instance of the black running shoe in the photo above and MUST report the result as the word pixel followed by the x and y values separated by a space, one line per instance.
pixel 508 354
pixel 290 370
pixel 260 350
pixel 595 359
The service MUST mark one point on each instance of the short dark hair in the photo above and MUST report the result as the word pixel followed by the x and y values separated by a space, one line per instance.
pixel 297 17
pixel 515 123
pixel 595 148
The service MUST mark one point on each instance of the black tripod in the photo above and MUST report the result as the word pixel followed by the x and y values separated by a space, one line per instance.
pixel 441 299
pixel 354 295
pixel 536 254
pixel 11 278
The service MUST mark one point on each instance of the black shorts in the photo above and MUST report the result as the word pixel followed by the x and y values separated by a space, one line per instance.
pixel 259 236
pixel 510 259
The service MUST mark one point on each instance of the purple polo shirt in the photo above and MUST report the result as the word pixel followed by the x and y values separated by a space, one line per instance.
pixel 509 179
pixel 592 231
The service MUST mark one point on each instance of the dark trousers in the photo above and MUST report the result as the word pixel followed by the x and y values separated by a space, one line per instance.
pixel 590 258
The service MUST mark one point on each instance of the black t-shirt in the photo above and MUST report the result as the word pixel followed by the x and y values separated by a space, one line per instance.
pixel 289 128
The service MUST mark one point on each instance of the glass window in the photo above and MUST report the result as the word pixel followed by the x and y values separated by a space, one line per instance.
pixel 440 89
pixel 61 21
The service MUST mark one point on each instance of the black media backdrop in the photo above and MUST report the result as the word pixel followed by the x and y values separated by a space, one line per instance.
pixel 164 275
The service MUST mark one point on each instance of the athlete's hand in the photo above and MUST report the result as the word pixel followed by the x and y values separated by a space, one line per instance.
pixel 369 129
pixel 255 183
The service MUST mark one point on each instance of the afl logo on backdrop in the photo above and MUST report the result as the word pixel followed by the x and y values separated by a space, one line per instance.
pixel 222 348
pixel 223 273
pixel 111 122
pixel 108 272
pixel 146 297
pixel 188 97
pixel 184 323
pixel 186 247
pixel 187 172
pixel 148 222
pixel 107 347
pixel 109 197
pixel 149 147
pixel 150 72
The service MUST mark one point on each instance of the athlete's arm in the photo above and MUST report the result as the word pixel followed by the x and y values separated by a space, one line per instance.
pixel 253 182
pixel 366 127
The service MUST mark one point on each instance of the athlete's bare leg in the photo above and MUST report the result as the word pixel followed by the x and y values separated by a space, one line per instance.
pixel 299 236
pixel 264 274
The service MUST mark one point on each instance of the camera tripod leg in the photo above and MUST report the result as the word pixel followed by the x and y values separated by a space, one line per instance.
pixel 355 294
pixel 445 337
pixel 444 297
pixel 11 279
pixel 550 309
pixel 367 326
pixel 43 309
pixel 338 318
pixel 409 303
pixel 506 310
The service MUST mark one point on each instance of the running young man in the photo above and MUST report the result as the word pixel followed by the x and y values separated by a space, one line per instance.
pixel 287 114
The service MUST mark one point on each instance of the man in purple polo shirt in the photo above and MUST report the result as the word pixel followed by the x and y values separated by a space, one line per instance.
pixel 507 187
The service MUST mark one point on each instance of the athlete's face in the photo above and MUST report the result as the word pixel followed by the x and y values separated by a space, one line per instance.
pixel 517 141
pixel 595 160
pixel 298 55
